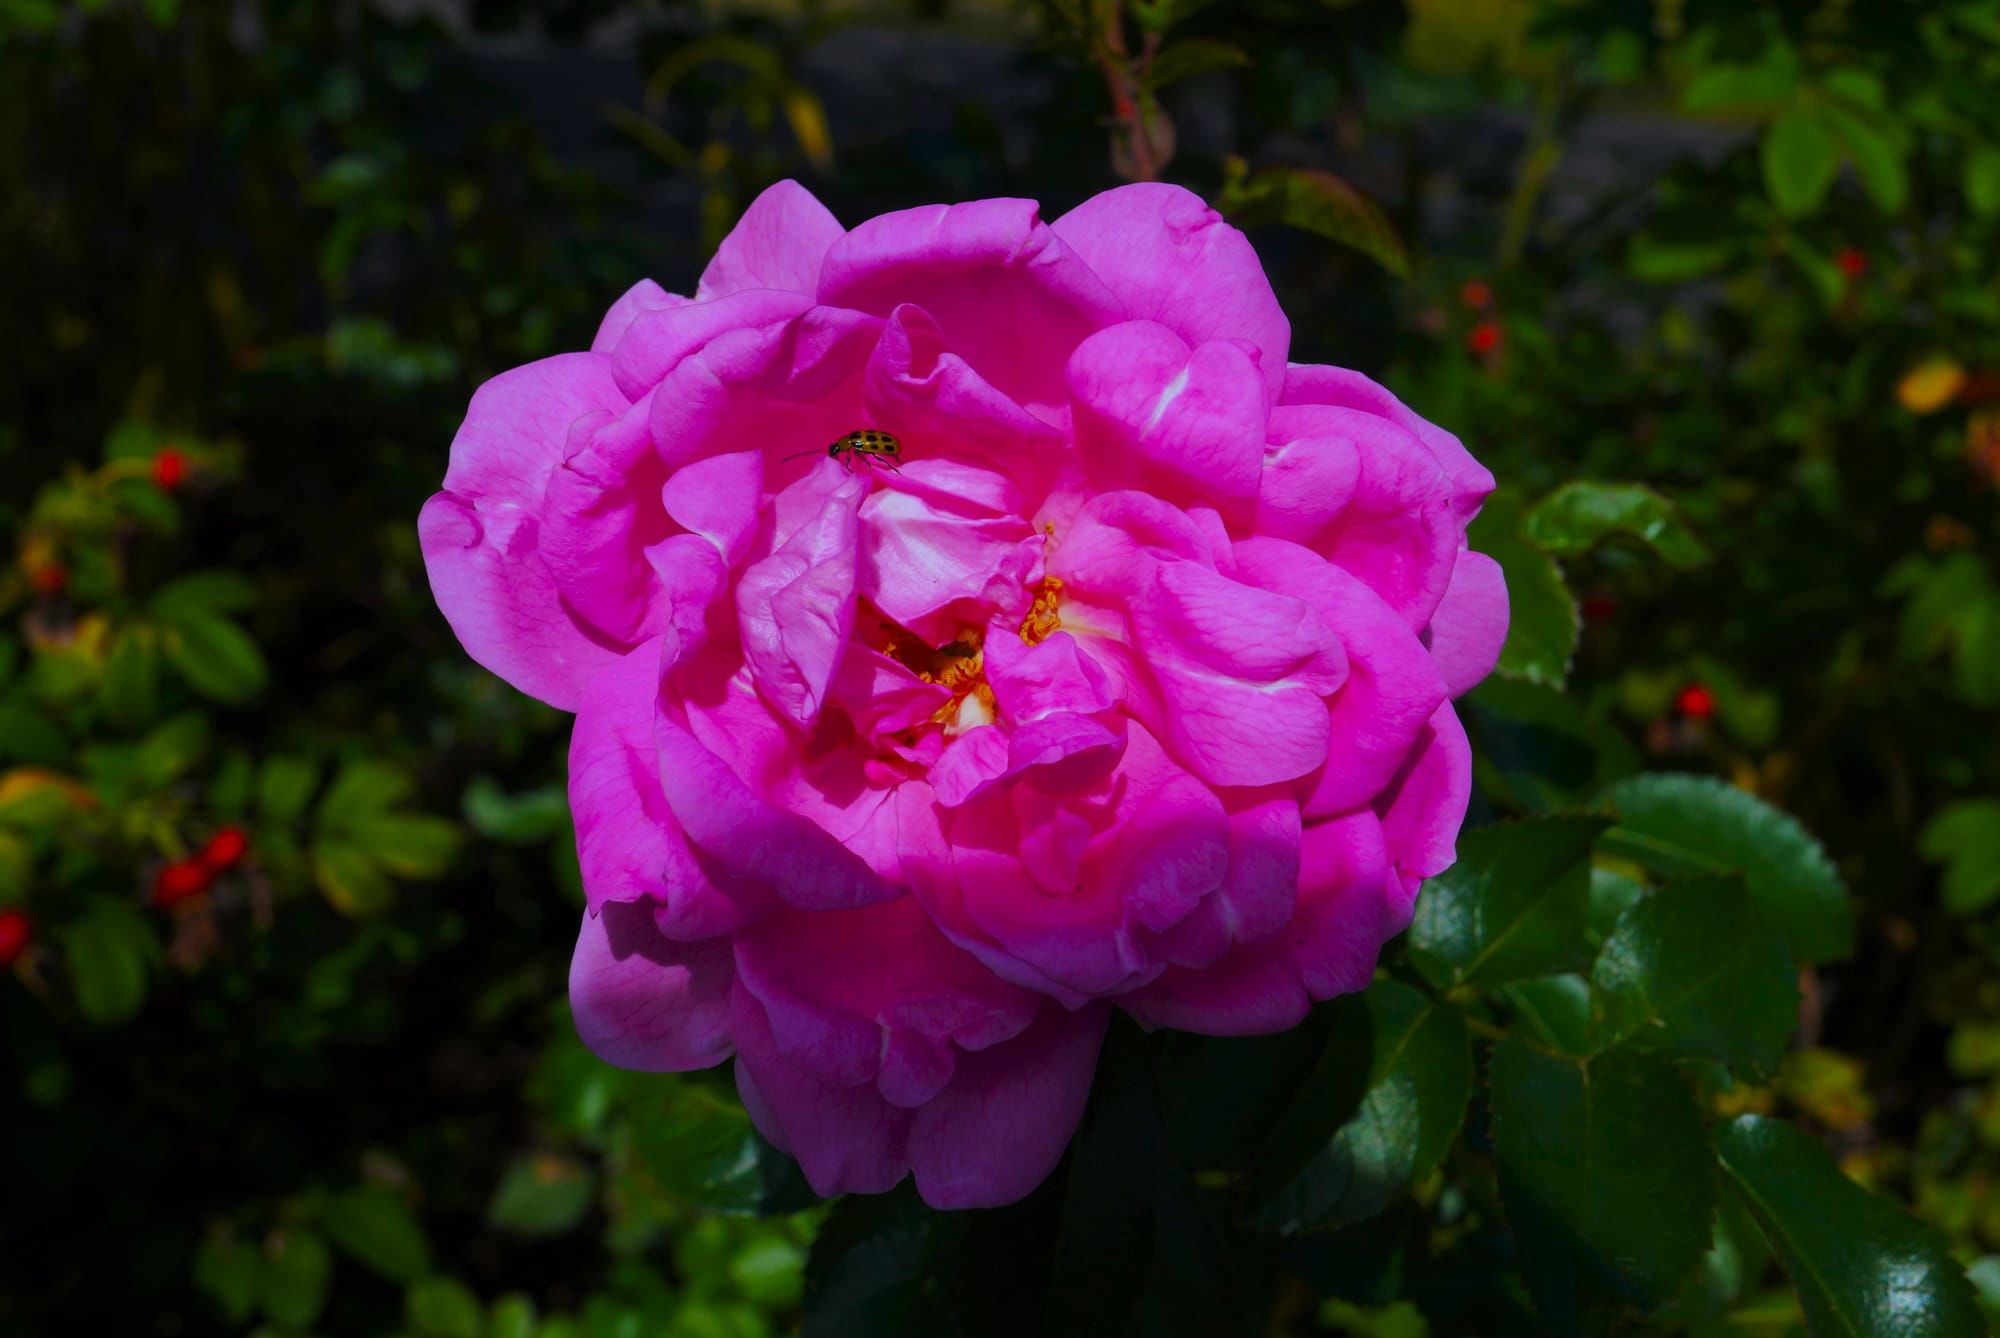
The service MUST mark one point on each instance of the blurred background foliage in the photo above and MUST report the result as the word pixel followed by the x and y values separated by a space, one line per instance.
pixel 286 883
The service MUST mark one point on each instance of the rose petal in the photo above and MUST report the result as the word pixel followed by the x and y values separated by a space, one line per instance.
pixel 778 243
pixel 1470 624
pixel 643 1001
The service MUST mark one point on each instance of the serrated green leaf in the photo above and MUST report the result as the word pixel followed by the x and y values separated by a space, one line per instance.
pixel 1542 621
pixel 1536 749
pixel 1554 1011
pixel 1692 970
pixel 1863 1268
pixel 442 1308
pixel 1606 1177
pixel 1680 825
pixel 1515 904
pixel 1965 838
pixel 880 1266
pixel 285 787
pixel 698 1146
pixel 1800 156
pixel 1419 1077
pixel 351 879
pixel 297 1270
pixel 1578 516
pixel 217 658
pixel 375 1226
pixel 543 1194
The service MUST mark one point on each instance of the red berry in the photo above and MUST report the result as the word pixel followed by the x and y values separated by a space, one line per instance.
pixel 49 580
pixel 224 850
pixel 178 881
pixel 1597 608
pixel 1477 294
pixel 16 929
pixel 1483 338
pixel 1696 700
pixel 170 469
pixel 1853 263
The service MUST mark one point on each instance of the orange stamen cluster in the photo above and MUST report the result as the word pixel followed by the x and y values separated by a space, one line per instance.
pixel 1042 617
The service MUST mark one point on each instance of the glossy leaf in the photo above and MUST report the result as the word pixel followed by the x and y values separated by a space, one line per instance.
pixel 1678 825
pixel 1543 625
pixel 1862 1266
pixel 880 1266
pixel 1419 1076
pixel 698 1145
pixel 1514 905
pixel 1578 516
pixel 1691 969
pixel 1555 1012
pixel 1606 1177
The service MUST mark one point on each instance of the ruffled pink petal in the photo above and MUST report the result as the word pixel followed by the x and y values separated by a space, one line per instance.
pixel 1258 897
pixel 1186 425
pixel 719 498
pixel 627 841
pixel 796 606
pixel 659 340
pixel 778 243
pixel 642 296
pixel 847 1139
pixel 1470 480
pixel 1424 806
pixel 481 535
pixel 1008 296
pixel 1392 686
pixel 1308 479
pixel 1054 675
pixel 1172 259
pixel 943 534
pixel 600 513
pixel 644 1001
pixel 1001 1125
pixel 1470 624
pixel 1343 918
pixel 788 387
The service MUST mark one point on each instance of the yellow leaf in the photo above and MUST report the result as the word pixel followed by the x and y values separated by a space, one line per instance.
pixel 1930 385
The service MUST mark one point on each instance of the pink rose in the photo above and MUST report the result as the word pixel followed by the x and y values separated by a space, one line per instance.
pixel 1131 685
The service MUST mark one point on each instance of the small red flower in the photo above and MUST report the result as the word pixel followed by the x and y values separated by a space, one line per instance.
pixel 49 580
pixel 179 881
pixel 16 929
pixel 1853 262
pixel 170 469
pixel 224 850
pixel 1477 294
pixel 1484 338
pixel 1696 701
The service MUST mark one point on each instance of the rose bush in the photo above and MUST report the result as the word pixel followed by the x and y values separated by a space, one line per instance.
pixel 1128 684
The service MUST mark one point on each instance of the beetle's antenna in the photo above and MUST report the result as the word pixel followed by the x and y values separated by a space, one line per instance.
pixel 796 455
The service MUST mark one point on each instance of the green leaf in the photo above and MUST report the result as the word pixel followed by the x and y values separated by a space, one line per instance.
pixel 217 658
pixel 297 1269
pixel 1555 1010
pixel 227 1269
pixel 1678 825
pixel 285 787
pixel 1965 838
pixel 524 819
pixel 698 1145
pixel 1611 895
pixel 1877 158
pixel 1800 158
pixel 27 734
pixel 542 1194
pixel 1606 1178
pixel 881 1265
pixel 409 845
pixel 1578 516
pixel 1770 83
pixel 1692 970
pixel 363 788
pixel 203 594
pixel 442 1308
pixel 512 1316
pixel 1514 905
pixel 171 750
pixel 1543 626
pixel 351 879
pixel 1419 1077
pixel 376 1226
pixel 130 688
pixel 1316 201
pixel 1863 1268
pixel 1982 180
pixel 1537 749
pixel 1190 57
pixel 108 950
